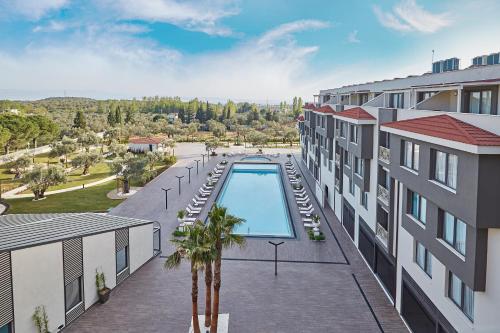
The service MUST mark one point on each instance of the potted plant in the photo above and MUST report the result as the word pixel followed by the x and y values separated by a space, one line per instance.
pixel 181 215
pixel 102 291
pixel 316 222
pixel 40 319
pixel 224 155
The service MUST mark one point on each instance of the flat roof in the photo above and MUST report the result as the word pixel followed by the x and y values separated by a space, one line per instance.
pixel 19 231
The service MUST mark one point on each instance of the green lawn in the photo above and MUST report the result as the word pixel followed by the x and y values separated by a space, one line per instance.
pixel 92 199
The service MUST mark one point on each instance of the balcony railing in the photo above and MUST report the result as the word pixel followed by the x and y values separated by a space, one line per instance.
pixel 383 194
pixel 384 154
pixel 382 234
pixel 337 158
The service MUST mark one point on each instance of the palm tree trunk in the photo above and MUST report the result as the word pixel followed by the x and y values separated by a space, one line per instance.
pixel 217 283
pixel 194 299
pixel 208 293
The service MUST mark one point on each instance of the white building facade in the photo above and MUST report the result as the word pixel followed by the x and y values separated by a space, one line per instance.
pixel 409 167
pixel 51 261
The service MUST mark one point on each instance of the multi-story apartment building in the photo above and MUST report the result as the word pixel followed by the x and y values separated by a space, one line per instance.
pixel 409 166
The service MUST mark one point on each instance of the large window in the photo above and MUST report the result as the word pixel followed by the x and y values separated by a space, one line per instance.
pixel 122 259
pixel 446 169
pixel 454 232
pixel 480 101
pixel 411 155
pixel 351 186
pixel 73 293
pixel 461 295
pixel 423 258
pixel 397 100
pixel 359 166
pixel 418 206
pixel 348 159
pixel 342 129
pixel 364 199
pixel 353 130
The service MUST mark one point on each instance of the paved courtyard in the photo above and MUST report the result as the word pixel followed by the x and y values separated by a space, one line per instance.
pixel 320 287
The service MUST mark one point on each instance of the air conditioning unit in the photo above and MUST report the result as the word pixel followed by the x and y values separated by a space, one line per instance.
pixel 446 65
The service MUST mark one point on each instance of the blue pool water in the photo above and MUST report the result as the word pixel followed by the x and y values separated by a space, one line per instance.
pixel 256 159
pixel 255 192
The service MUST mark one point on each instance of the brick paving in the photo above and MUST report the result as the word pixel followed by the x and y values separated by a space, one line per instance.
pixel 315 290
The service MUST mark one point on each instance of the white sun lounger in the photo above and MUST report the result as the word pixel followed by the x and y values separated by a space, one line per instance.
pixel 192 208
pixel 198 203
pixel 200 199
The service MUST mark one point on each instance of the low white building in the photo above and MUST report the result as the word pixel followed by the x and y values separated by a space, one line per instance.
pixel 144 144
pixel 51 260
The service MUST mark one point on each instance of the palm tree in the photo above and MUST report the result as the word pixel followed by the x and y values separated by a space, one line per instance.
pixel 221 229
pixel 196 249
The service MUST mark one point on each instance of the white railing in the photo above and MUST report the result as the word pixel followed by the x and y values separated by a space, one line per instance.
pixel 382 234
pixel 384 154
pixel 383 194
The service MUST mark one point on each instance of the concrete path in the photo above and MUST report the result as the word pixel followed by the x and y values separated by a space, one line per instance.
pixel 10 195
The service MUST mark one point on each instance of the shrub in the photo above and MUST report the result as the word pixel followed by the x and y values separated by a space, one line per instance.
pixel 320 237
pixel 170 160
pixel 178 233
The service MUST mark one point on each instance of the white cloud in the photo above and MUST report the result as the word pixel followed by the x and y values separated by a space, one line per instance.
pixel 352 37
pixel 407 15
pixel 204 15
pixel 273 65
pixel 52 26
pixel 32 9
pixel 129 28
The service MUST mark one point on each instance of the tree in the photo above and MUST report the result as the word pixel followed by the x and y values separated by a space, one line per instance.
pixel 47 130
pixel 218 130
pixel 88 139
pixel 111 118
pixel 4 136
pixel 63 149
pixel 257 138
pixel 129 167
pixel 112 134
pixel 291 135
pixel 221 231
pixel 20 165
pixel 21 131
pixel 117 149
pixel 192 129
pixel 118 116
pixel 86 160
pixel 40 178
pixel 211 146
pixel 79 121
pixel 196 248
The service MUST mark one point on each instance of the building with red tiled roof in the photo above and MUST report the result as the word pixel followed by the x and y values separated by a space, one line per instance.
pixel 457 133
pixel 144 144
pixel 357 115
pixel 325 109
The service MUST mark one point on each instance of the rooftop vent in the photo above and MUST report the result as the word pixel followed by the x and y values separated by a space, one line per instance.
pixel 447 65
pixel 484 60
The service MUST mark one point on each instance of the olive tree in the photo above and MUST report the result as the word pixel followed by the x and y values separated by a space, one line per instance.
pixel 86 160
pixel 40 178
pixel 21 165
pixel 129 167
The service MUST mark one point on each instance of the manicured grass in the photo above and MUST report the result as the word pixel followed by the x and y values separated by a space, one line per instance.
pixel 92 199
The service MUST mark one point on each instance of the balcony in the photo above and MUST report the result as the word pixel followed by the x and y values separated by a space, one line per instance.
pixel 384 154
pixel 337 158
pixel 383 194
pixel 382 234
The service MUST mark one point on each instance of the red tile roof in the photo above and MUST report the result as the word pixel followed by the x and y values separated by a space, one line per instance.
pixel 325 109
pixel 300 118
pixel 356 113
pixel 146 140
pixel 448 128
pixel 309 106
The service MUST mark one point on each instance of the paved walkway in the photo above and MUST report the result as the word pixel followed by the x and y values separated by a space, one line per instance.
pixel 12 193
pixel 321 287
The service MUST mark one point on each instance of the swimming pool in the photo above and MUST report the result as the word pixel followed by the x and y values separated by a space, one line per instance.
pixel 255 192
pixel 256 159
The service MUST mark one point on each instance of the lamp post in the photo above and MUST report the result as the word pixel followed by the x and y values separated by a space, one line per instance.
pixel 166 196
pixel 197 163
pixel 179 178
pixel 189 173
pixel 275 256
pixel 203 155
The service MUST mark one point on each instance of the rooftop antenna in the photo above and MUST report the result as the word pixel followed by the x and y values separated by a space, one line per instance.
pixel 432 56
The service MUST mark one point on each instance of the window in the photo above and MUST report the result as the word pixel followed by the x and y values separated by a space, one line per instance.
pixel 343 129
pixel 446 169
pixel 73 293
pixel 351 186
pixel 423 258
pixel 397 100
pixel 359 166
pixel 353 130
pixel 330 165
pixel 122 259
pixel 461 295
pixel 364 199
pixel 418 206
pixel 480 101
pixel 411 155
pixel 7 328
pixel 348 159
pixel 454 232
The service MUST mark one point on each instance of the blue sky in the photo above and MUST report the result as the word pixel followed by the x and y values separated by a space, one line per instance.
pixel 217 49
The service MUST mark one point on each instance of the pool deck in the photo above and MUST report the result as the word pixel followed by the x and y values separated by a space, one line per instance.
pixel 320 287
